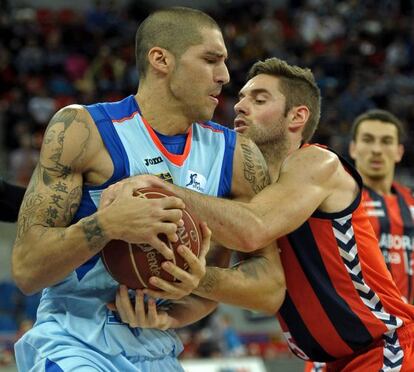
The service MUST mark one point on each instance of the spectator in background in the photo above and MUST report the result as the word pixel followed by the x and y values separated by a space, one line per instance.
pixel 23 160
pixel 11 197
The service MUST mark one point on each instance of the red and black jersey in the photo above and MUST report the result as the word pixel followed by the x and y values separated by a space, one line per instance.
pixel 340 296
pixel 392 217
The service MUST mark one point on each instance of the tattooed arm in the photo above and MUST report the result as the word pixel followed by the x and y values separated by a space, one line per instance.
pixel 46 248
pixel 45 251
pixel 256 283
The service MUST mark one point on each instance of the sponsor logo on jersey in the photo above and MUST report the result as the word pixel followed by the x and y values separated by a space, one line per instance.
pixel 396 241
pixel 373 208
pixel 195 181
pixel 165 177
pixel 153 161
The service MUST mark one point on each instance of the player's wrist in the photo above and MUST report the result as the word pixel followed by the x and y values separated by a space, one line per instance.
pixel 106 224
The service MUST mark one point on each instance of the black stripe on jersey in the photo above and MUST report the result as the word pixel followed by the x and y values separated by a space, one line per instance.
pixel 348 325
pixel 408 230
pixel 383 221
pixel 297 328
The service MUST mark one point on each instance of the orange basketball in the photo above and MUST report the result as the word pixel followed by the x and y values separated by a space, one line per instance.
pixel 134 264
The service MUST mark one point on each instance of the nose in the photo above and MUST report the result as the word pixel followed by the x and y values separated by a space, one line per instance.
pixel 376 148
pixel 222 75
pixel 241 107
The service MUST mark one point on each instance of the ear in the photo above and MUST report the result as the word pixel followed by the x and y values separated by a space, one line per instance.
pixel 351 149
pixel 400 153
pixel 160 59
pixel 298 117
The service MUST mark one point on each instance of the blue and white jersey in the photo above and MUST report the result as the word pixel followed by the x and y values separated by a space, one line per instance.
pixel 201 160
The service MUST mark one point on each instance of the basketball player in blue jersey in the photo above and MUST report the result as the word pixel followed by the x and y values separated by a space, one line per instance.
pixel 163 130
pixel 341 305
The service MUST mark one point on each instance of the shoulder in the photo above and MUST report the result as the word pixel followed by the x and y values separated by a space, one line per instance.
pixel 71 113
pixel 405 190
pixel 70 135
pixel 314 161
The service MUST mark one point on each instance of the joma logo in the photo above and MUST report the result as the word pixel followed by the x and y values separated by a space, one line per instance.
pixel 153 161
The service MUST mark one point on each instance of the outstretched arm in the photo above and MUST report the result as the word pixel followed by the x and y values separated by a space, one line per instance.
pixel 256 283
pixel 311 178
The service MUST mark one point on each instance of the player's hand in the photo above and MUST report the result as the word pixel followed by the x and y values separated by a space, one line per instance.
pixel 136 315
pixel 187 280
pixel 140 220
pixel 132 184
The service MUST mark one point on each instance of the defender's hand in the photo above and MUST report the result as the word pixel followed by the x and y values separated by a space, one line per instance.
pixel 187 280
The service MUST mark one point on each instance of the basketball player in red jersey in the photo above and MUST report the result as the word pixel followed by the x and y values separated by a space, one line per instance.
pixel 341 306
pixel 376 148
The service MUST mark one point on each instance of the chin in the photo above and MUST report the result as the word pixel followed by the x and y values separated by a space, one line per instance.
pixel 376 176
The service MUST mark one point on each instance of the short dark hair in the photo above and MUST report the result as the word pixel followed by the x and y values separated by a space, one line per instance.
pixel 299 87
pixel 380 115
pixel 174 29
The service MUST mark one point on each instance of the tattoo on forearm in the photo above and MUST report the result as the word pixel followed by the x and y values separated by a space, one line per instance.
pixel 209 281
pixel 93 232
pixel 255 168
pixel 252 267
pixel 28 215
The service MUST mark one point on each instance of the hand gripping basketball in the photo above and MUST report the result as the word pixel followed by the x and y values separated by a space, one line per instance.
pixel 133 264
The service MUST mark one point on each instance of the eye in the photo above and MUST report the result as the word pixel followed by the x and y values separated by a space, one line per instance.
pixel 367 139
pixel 210 61
pixel 259 101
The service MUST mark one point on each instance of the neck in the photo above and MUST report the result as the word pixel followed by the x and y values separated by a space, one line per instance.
pixel 160 111
pixel 380 186
pixel 274 154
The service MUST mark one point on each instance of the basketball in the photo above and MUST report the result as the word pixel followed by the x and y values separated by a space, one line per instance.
pixel 133 264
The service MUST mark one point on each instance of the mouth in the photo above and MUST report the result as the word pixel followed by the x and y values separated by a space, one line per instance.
pixel 376 164
pixel 240 125
pixel 214 97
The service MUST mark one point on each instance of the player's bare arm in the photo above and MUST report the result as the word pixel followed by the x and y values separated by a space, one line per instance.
pixel 46 250
pixel 256 283
pixel 312 177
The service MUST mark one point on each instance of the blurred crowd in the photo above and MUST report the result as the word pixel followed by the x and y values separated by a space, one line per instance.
pixel 361 52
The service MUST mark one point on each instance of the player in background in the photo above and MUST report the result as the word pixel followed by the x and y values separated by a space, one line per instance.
pixel 342 306
pixel 163 130
pixel 377 148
